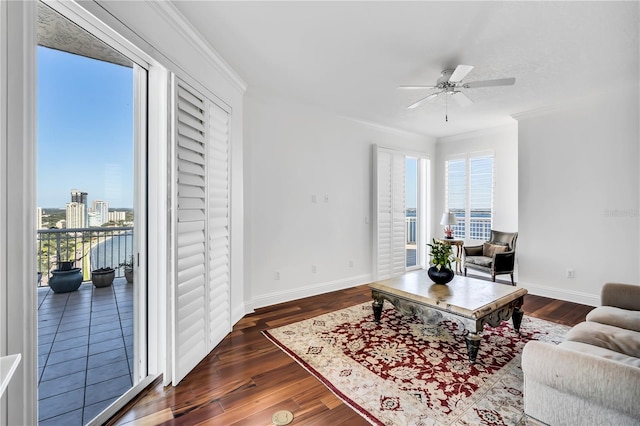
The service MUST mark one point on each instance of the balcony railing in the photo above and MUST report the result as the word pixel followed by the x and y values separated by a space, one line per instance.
pixel 479 228
pixel 87 248
pixel 410 229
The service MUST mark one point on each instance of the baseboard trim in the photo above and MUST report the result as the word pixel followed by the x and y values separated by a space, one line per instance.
pixel 561 294
pixel 307 291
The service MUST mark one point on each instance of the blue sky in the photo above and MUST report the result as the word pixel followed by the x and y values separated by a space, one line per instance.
pixel 411 184
pixel 85 129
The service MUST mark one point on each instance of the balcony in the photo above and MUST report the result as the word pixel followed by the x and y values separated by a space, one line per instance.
pixel 85 337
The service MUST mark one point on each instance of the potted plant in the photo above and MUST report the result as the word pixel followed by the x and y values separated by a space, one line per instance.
pixel 65 278
pixel 103 277
pixel 440 257
pixel 128 269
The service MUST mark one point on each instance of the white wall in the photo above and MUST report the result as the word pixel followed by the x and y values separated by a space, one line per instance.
pixel 503 141
pixel 293 153
pixel 579 190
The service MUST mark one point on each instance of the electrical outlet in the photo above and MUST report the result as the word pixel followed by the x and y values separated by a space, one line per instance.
pixel 314 199
pixel 314 269
pixel 571 273
pixel 351 264
pixel 276 275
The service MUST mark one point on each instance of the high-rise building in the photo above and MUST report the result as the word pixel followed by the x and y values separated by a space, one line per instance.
pixel 76 215
pixel 101 208
pixel 116 216
pixel 81 197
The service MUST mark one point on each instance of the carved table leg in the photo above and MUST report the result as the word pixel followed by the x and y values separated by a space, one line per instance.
pixel 473 344
pixel 517 318
pixel 518 313
pixel 377 309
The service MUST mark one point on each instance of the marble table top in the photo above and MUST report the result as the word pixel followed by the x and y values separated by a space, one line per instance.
pixel 465 296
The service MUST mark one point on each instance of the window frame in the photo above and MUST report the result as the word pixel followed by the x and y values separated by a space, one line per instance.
pixel 465 221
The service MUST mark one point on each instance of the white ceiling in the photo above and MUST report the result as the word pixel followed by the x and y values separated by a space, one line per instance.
pixel 350 57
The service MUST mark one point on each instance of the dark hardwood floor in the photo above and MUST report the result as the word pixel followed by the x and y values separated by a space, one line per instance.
pixel 246 378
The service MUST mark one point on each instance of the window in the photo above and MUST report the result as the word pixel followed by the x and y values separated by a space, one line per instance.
pixel 469 182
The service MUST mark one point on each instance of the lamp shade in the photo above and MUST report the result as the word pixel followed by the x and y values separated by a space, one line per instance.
pixel 448 218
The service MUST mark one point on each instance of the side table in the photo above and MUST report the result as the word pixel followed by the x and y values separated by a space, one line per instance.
pixel 458 243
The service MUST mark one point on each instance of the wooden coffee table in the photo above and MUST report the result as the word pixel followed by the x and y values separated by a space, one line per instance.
pixel 474 302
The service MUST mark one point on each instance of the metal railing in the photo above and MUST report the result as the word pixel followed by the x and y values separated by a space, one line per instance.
pixel 479 228
pixel 410 229
pixel 86 248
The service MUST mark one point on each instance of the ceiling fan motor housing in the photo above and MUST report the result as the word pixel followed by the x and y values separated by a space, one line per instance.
pixel 444 77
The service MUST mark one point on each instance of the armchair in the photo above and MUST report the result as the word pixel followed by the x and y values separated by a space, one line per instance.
pixel 495 257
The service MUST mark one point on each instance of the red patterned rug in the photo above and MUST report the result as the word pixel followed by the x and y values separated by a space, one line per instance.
pixel 404 372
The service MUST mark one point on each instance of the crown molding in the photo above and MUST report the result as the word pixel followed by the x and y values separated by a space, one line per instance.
pixel 177 20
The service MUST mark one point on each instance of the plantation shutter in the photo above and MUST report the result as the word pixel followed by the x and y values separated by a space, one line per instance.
pixel 469 186
pixel 390 213
pixel 480 196
pixel 201 312
pixel 219 249
pixel 189 301
pixel 456 193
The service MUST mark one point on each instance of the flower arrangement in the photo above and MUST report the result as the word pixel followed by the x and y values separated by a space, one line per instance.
pixel 441 254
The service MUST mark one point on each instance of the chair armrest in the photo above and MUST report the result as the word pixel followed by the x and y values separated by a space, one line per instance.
pixel 504 262
pixel 472 250
pixel 623 296
pixel 607 383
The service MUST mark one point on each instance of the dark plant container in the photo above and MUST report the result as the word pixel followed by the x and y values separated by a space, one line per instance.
pixel 64 281
pixel 103 277
pixel 128 274
pixel 442 276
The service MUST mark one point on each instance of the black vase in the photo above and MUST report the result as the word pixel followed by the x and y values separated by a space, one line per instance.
pixel 442 276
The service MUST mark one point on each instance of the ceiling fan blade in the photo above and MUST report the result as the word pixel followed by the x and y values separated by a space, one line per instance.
pixel 460 72
pixel 488 83
pixel 417 104
pixel 461 99
pixel 417 87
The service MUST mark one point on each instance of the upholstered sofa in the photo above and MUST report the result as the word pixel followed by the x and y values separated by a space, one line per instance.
pixel 593 376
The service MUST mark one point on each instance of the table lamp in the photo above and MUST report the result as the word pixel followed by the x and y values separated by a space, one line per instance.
pixel 448 219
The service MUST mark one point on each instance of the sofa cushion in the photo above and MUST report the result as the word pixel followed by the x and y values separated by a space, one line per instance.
pixel 616 317
pixel 606 336
pixel 601 352
pixel 489 249
pixel 479 260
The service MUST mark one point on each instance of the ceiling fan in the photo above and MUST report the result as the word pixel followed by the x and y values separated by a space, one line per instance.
pixel 450 83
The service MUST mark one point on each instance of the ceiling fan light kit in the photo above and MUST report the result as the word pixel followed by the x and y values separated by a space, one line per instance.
pixel 450 83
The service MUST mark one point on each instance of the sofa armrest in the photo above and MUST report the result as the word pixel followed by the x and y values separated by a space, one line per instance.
pixel 623 296
pixel 610 384
pixel 472 250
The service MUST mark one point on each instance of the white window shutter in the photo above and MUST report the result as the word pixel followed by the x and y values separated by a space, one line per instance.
pixel 219 249
pixel 189 310
pixel 390 213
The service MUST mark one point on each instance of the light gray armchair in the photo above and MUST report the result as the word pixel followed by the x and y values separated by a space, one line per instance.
pixel 496 257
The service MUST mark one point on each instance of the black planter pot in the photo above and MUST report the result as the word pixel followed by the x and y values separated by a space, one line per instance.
pixel 442 276
pixel 65 281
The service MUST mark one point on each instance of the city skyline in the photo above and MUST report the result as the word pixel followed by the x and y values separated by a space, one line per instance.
pixel 85 129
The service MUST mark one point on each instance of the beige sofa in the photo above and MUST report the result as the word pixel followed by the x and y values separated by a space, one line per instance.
pixel 593 377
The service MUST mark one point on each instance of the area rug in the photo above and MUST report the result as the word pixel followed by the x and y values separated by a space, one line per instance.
pixel 403 372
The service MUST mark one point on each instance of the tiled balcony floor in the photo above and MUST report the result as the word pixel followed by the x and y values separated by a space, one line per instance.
pixel 85 351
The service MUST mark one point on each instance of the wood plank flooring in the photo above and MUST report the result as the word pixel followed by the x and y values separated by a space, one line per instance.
pixel 246 378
